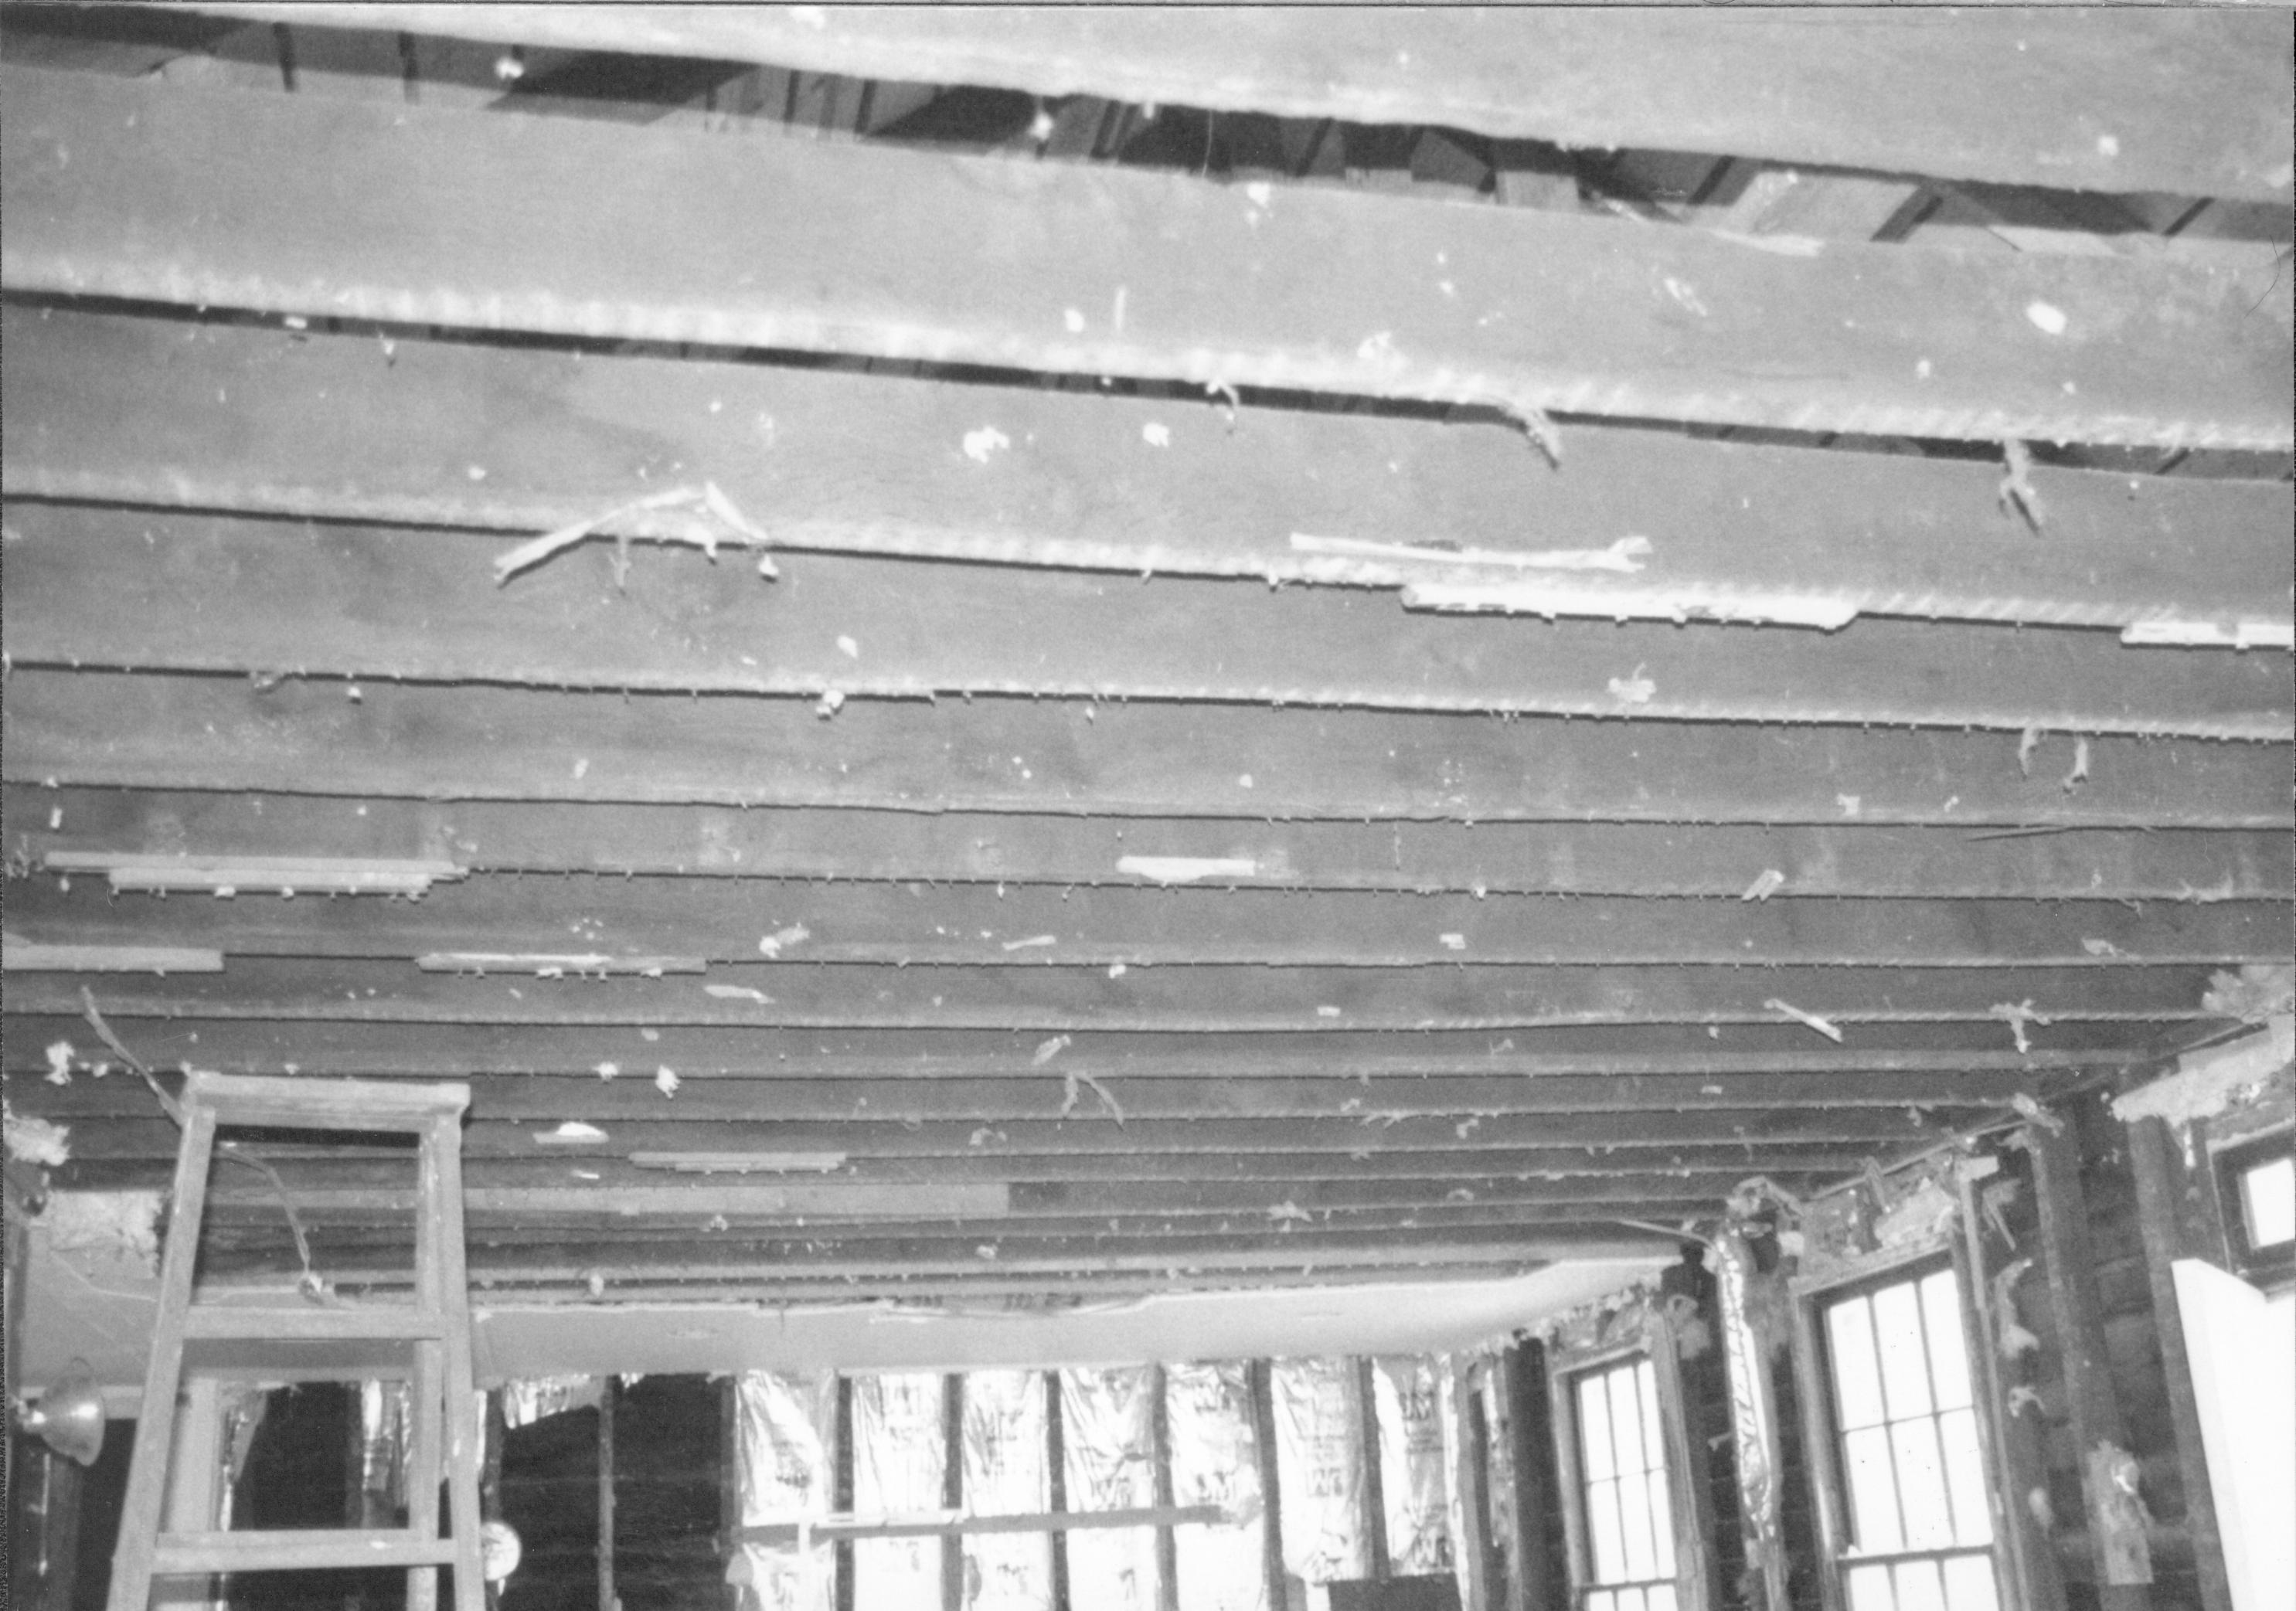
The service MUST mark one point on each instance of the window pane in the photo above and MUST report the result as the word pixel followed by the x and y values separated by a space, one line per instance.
pixel 1625 1420
pixel 1868 1588
pixel 1964 1475
pixel 1602 1599
pixel 1635 1525
pixel 1872 1491
pixel 1660 1597
pixel 1905 1366
pixel 1921 1484
pixel 1595 1427
pixel 1968 1584
pixel 1663 1524
pixel 2267 1200
pixel 1918 1587
pixel 1856 1379
pixel 1653 1446
pixel 1602 1532
pixel 1948 1353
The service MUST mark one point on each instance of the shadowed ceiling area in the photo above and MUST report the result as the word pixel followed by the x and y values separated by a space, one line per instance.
pixel 1012 660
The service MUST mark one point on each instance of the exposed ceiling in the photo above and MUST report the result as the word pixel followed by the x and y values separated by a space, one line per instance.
pixel 1401 649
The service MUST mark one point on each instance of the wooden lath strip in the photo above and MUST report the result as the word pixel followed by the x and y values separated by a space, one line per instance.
pixel 2192 103
pixel 82 592
pixel 1076 758
pixel 1528 311
pixel 1203 1000
pixel 1589 859
pixel 126 410
pixel 625 925
pixel 922 1056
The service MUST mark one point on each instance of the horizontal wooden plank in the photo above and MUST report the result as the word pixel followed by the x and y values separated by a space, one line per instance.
pixel 1014 1142
pixel 1722 1050
pixel 1073 758
pixel 2194 102
pixel 118 409
pixel 989 262
pixel 1023 1095
pixel 1203 1000
pixel 727 920
pixel 955 847
pixel 393 603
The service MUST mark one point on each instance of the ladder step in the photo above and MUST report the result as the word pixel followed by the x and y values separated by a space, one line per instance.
pixel 176 1554
pixel 356 1324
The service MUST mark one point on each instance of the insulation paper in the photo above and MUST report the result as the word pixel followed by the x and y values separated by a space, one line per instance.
pixel 901 1458
pixel 526 1402
pixel 1753 1421
pixel 785 1470
pixel 1007 1474
pixel 1413 1481
pixel 1216 1461
pixel 1109 1450
pixel 1319 1469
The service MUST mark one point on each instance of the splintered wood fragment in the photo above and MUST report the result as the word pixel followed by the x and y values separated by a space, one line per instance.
pixel 555 964
pixel 741 1163
pixel 1825 1027
pixel 238 874
pixel 1627 554
pixel 25 956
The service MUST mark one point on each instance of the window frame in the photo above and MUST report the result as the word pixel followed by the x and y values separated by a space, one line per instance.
pixel 1637 1332
pixel 2272 1268
pixel 1822 1434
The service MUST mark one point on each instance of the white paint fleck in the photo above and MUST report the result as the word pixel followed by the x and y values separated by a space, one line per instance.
pixel 1244 782
pixel 1186 870
pixel 665 1080
pixel 2108 146
pixel 1260 191
pixel 1635 689
pixel 477 473
pixel 1116 970
pixel 607 1071
pixel 1686 294
pixel 1924 370
pixel 812 16
pixel 773 944
pixel 1156 434
pixel 1453 942
pixel 1447 288
pixel 1327 1012
pixel 581 765
pixel 979 444
pixel 847 647
pixel 572 1132
pixel 2046 317
pixel 1850 804
pixel 1074 320
pixel 1378 347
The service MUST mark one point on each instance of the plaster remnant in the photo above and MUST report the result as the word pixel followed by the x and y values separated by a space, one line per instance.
pixel 739 992
pixel 1767 883
pixel 1635 689
pixel 1850 804
pixel 2211 635
pixel 666 1080
pixel 1453 942
pixel 2046 317
pixel 1047 1051
pixel 607 1071
pixel 570 1132
pixel 981 445
pixel 2017 1014
pixel 847 647
pixel 1187 870
pixel 2080 773
pixel 1156 434
pixel 1074 320
pixel 2208 1081
pixel 773 945
pixel 1033 939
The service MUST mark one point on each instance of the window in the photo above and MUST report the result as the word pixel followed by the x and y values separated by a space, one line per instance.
pixel 1911 1470
pixel 1626 1507
pixel 2256 1181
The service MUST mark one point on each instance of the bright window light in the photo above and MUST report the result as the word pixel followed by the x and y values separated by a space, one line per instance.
pixel 2267 1202
pixel 1622 1466
pixel 1919 1524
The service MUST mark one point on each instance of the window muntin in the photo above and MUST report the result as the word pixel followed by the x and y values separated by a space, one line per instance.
pixel 1905 1422
pixel 1626 1501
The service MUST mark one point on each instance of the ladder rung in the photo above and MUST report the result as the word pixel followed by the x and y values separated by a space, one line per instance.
pixel 356 1324
pixel 176 1554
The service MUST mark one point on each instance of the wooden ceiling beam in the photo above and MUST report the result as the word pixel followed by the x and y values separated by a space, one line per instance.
pixel 1719 1052
pixel 1200 1000
pixel 1027 1096
pixel 311 737
pixel 1544 313
pixel 724 920
pixel 125 409
pixel 384 602
pixel 1586 859
pixel 2194 103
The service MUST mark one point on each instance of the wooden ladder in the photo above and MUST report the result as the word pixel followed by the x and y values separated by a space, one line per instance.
pixel 435 1328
